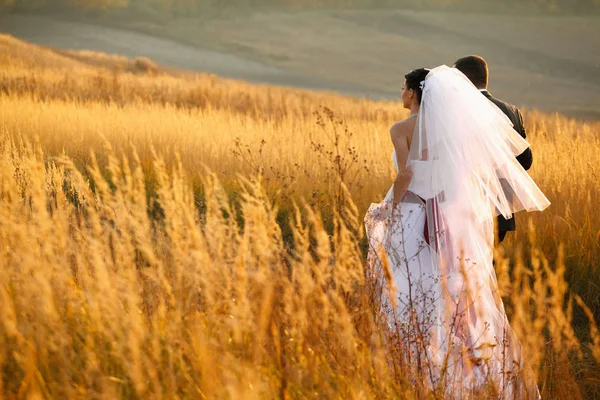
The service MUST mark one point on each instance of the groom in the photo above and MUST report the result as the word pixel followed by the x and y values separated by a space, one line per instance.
pixel 476 69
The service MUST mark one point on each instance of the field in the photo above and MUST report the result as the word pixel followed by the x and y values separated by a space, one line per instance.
pixel 178 235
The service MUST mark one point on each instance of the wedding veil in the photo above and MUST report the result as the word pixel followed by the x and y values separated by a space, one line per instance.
pixel 465 148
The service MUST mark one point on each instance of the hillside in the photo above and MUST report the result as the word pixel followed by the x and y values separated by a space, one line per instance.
pixel 546 62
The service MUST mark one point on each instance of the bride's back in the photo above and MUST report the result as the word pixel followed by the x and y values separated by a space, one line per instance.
pixel 421 179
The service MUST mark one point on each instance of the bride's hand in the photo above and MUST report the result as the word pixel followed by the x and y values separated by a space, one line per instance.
pixel 395 212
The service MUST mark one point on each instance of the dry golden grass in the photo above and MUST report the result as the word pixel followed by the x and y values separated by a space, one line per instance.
pixel 129 270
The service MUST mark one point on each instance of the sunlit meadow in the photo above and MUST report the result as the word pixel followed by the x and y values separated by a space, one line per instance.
pixel 169 235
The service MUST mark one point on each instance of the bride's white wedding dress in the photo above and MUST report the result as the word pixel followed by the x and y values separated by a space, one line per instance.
pixel 438 243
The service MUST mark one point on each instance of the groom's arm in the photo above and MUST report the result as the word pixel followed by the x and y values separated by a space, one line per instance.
pixel 525 158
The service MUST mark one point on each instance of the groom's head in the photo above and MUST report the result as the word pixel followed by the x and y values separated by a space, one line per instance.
pixel 475 68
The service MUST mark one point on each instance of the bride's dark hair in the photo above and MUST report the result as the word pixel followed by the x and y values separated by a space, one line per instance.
pixel 414 79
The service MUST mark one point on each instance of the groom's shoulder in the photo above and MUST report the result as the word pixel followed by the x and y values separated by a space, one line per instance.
pixel 511 111
pixel 504 106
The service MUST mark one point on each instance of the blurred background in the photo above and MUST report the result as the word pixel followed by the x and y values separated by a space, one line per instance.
pixel 542 54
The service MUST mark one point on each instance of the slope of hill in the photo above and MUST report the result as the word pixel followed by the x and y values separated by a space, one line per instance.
pixel 545 62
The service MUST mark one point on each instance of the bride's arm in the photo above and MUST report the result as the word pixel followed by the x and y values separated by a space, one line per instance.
pixel 400 133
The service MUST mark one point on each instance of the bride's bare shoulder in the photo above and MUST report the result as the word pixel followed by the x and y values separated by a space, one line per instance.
pixel 402 129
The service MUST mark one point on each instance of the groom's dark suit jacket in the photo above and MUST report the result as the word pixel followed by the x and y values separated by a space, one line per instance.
pixel 525 158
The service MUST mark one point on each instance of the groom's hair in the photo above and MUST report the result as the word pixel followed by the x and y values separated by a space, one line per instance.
pixel 475 68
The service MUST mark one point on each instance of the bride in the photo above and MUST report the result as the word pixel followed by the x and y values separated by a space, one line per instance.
pixel 434 234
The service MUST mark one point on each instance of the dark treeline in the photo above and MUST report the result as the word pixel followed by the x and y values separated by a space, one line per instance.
pixel 59 5
pixel 191 7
